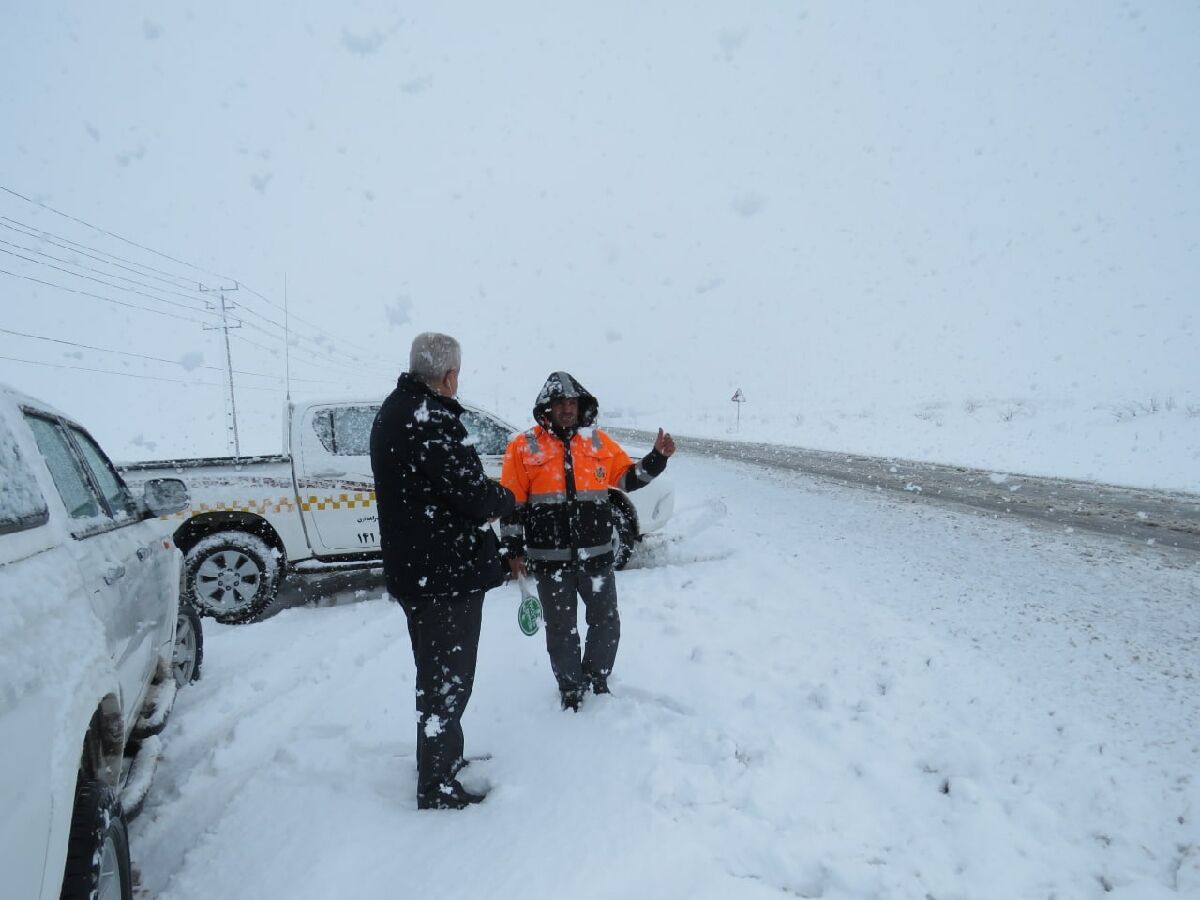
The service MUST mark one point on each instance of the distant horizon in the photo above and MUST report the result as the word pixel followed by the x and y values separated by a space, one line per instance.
pixel 842 209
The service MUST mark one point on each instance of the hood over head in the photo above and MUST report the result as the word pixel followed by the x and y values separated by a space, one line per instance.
pixel 562 384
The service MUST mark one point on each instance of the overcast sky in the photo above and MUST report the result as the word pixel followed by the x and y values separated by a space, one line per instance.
pixel 839 203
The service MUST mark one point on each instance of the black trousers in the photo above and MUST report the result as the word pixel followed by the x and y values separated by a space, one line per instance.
pixel 445 645
pixel 558 592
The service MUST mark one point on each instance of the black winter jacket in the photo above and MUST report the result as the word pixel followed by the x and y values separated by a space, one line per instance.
pixel 434 498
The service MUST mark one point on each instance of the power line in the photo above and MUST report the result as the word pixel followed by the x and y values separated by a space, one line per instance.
pixel 331 366
pixel 97 280
pixel 118 287
pixel 174 281
pixel 301 336
pixel 97 271
pixel 158 359
pixel 313 358
pixel 63 287
pixel 75 247
pixel 35 362
pixel 173 259
pixel 112 234
pixel 271 302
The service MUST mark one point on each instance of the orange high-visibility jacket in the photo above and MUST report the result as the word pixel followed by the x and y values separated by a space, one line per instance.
pixel 563 516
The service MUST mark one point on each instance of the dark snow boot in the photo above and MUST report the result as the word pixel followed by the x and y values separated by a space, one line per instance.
pixel 599 684
pixel 465 761
pixel 451 795
pixel 571 698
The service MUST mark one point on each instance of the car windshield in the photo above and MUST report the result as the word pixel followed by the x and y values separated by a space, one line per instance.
pixel 488 435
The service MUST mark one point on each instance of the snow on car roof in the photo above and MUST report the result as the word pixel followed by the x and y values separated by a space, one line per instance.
pixel 336 401
pixel 375 401
pixel 22 399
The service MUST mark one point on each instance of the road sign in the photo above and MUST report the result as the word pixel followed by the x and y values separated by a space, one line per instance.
pixel 739 398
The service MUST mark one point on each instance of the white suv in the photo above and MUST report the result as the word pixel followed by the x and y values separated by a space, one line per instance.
pixel 89 594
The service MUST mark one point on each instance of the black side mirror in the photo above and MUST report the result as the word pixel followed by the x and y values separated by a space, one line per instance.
pixel 165 496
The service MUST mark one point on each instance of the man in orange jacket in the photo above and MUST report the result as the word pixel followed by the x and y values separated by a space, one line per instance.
pixel 560 472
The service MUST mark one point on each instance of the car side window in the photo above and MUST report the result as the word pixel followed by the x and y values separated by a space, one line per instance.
pixel 76 492
pixel 489 437
pixel 22 505
pixel 352 429
pixel 346 430
pixel 323 425
pixel 116 495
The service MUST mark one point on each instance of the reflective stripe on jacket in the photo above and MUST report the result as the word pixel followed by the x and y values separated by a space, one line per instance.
pixel 561 488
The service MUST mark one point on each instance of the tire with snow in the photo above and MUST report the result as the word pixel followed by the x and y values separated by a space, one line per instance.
pixel 188 653
pixel 97 846
pixel 624 532
pixel 231 576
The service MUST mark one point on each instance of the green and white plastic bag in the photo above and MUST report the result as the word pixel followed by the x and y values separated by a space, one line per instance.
pixel 529 613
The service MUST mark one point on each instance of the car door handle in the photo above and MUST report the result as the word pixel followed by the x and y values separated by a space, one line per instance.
pixel 143 552
pixel 116 572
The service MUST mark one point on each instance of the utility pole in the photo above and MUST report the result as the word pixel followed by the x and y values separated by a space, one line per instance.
pixel 223 306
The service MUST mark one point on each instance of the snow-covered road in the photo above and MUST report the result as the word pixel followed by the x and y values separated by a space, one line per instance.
pixel 820 693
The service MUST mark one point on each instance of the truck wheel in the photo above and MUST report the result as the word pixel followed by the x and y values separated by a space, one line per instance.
pixel 189 646
pixel 97 846
pixel 624 533
pixel 231 576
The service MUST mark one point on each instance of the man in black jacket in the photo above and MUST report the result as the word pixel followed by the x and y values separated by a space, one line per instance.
pixel 440 555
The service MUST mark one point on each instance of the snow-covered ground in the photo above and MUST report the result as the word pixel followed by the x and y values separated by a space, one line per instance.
pixel 821 692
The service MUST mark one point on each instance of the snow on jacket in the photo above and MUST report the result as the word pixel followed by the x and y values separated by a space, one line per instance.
pixel 561 481
pixel 434 498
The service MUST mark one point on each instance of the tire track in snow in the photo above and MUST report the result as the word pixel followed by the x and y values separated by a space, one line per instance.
pixel 209 763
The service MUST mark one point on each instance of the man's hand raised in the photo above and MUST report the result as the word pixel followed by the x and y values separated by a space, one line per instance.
pixel 664 443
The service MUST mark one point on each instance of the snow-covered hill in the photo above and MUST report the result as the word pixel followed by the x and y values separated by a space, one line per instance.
pixel 835 207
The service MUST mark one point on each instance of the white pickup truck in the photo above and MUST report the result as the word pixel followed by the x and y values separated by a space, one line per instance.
pixel 312 509
pixel 92 644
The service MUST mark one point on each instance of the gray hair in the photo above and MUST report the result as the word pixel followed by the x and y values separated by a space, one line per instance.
pixel 433 355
